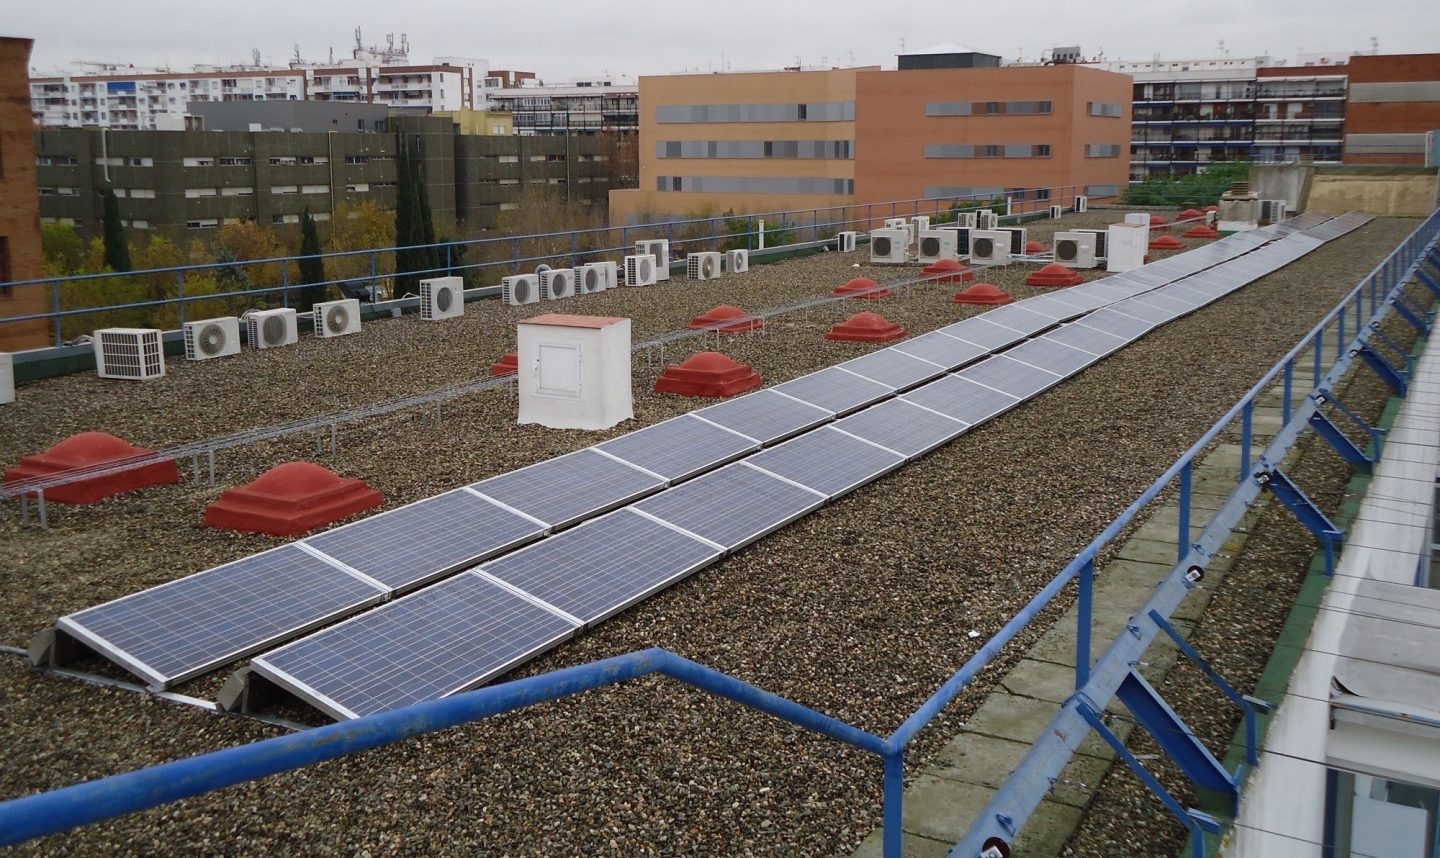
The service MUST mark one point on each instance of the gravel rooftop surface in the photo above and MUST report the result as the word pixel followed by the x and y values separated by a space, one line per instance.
pixel 859 610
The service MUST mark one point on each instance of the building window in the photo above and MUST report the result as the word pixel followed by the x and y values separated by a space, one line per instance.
pixel 823 111
pixel 6 290
pixel 358 187
pixel 192 193
pixel 989 108
pixel 805 149
pixel 1101 108
pixel 282 161
pixel 1102 150
pixel 1369 815
pixel 285 189
pixel 357 159
pixel 237 192
pixel 285 218
pixel 202 223
pixel 142 193
pixel 234 162
pixel 756 185
pixel 992 150
pixel 200 162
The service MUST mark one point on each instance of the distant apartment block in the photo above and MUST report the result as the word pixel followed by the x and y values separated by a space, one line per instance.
pixel 1392 103
pixel 582 108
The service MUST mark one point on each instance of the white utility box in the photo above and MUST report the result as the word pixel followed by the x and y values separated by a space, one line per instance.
pixel 574 371
pixel 1125 246
pixel 7 378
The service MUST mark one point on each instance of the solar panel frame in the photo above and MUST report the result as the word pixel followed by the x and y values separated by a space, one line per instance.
pixel 577 485
pixel 909 429
pixel 836 390
pixel 941 348
pixel 562 571
pixel 453 651
pixel 1019 379
pixel 679 448
pixel 962 399
pixel 1052 356
pixel 393 547
pixel 765 415
pixel 829 461
pixel 233 587
pixel 895 369
pixel 733 506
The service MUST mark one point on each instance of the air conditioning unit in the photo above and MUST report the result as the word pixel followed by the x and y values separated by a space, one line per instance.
pixel 737 261
pixel 1138 218
pixel 962 238
pixel 986 219
pixel 845 241
pixel 1057 212
pixel 703 266
pixel 895 223
pixel 922 223
pixel 1102 240
pixel 1126 247
pixel 889 245
pixel 130 353
pixel 640 270
pixel 1019 237
pixel 1082 204
pixel 990 247
pixel 442 298
pixel 7 378
pixel 337 318
pixel 268 329
pixel 935 245
pixel 211 338
pixel 556 283
pixel 519 289
pixel 1272 211
pixel 1075 249
pixel 660 249
pixel 965 219
pixel 593 277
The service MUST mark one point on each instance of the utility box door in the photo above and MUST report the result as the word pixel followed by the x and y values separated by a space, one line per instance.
pixel 558 370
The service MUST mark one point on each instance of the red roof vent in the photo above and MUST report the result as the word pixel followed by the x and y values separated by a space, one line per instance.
pixel 947 271
pixel 289 500
pixel 1211 209
pixel 1055 274
pixel 1157 220
pixel 1032 247
pixel 1202 231
pixel 93 450
pixel 867 328
pixel 709 374
pixel 985 294
pixel 727 319
pixel 1190 214
pixel 1167 242
pixel 862 288
pixel 508 364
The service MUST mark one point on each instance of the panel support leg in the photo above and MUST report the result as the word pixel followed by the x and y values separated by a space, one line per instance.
pixel 1388 374
pixel 1305 511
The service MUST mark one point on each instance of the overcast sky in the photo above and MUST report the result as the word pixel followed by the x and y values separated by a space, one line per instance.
pixel 567 40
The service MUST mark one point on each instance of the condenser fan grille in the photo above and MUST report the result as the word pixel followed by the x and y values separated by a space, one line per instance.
pixel 882 246
pixel 984 246
pixel 273 330
pixel 708 266
pixel 211 340
pixel 930 246
pixel 592 279
pixel 444 300
pixel 336 320
pixel 1067 249
pixel 645 269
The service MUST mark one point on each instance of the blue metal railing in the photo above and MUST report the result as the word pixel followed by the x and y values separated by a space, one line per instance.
pixel 62 809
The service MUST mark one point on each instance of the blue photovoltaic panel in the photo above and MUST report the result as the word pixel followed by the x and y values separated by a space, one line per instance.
pixel 828 460
pixel 962 399
pixel 417 543
pixel 1010 376
pixel 1161 299
pixel 1047 306
pixel 565 490
pixel 941 348
pixel 1105 291
pixel 1019 318
pixel 765 415
pixel 981 332
pixel 1091 340
pixel 1126 327
pixel 1189 298
pixel 733 506
pixel 835 390
pixel 897 369
pixel 175 631
pixel 603 566
pixel 1081 302
pixel 1052 355
pixel 1146 309
pixel 903 427
pixel 444 639
pixel 680 448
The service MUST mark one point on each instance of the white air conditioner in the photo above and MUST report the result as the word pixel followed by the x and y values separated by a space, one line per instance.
pixel 1075 249
pixel 1211 217
pixel 136 354
pixel 703 266
pixel 1082 204
pixel 895 223
pixel 737 261
pixel 612 278
pixel 962 238
pixel 922 223
pixel 989 247
pixel 909 227
pixel 965 220
pixel 556 283
pixel 591 278
pixel 1272 211
pixel 337 318
pixel 889 245
pixel 986 219
pixel 845 241
pixel 1138 218
pixel 1019 237
pixel 7 378
pixel 1126 246
pixel 518 289
pixel 211 338
pixel 268 329
pixel 1102 240
pixel 640 270
pixel 442 298
pixel 1057 212
pixel 935 245
pixel 660 249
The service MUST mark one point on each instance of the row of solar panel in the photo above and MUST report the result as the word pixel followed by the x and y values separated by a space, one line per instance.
pixel 178 630
pixel 402 653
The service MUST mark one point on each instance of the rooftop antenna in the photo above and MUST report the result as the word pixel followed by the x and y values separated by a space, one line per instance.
pixel 902 44
pixel 297 52
pixel 358 43
pixel 1374 44
pixel 852 58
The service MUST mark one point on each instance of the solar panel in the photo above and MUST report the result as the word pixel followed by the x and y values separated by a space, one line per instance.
pixel 603 566
pixel 981 332
pixel 765 415
pixel 1104 291
pixel 418 543
pixel 1188 297
pixel 828 460
pixel 1082 302
pixel 962 399
pixel 1145 307
pixel 181 629
pixel 680 448
pixel 1049 306
pixel 940 348
pixel 1109 320
pixel 1021 381
pixel 1052 355
pixel 442 640
pixel 569 488
pixel 835 389
pixel 897 369
pixel 733 506
pixel 1087 339
pixel 903 427
pixel 1020 319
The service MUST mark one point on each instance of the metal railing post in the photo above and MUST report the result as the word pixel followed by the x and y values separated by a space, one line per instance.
pixel 1187 474
pixel 1247 429
pixel 180 296
pixel 285 283
pixel 1084 621
pixel 55 303
pixel 894 820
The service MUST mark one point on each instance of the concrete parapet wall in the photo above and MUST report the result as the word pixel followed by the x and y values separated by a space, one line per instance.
pixel 1395 192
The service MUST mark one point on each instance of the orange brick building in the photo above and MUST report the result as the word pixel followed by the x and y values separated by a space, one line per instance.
pixel 1393 101
pixel 20 255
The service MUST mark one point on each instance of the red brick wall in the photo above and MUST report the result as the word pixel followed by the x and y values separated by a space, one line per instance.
pixel 1393 117
pixel 19 200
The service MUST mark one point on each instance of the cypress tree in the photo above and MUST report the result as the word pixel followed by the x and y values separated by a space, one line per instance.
pixel 405 226
pixel 312 267
pixel 117 252
pixel 431 257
